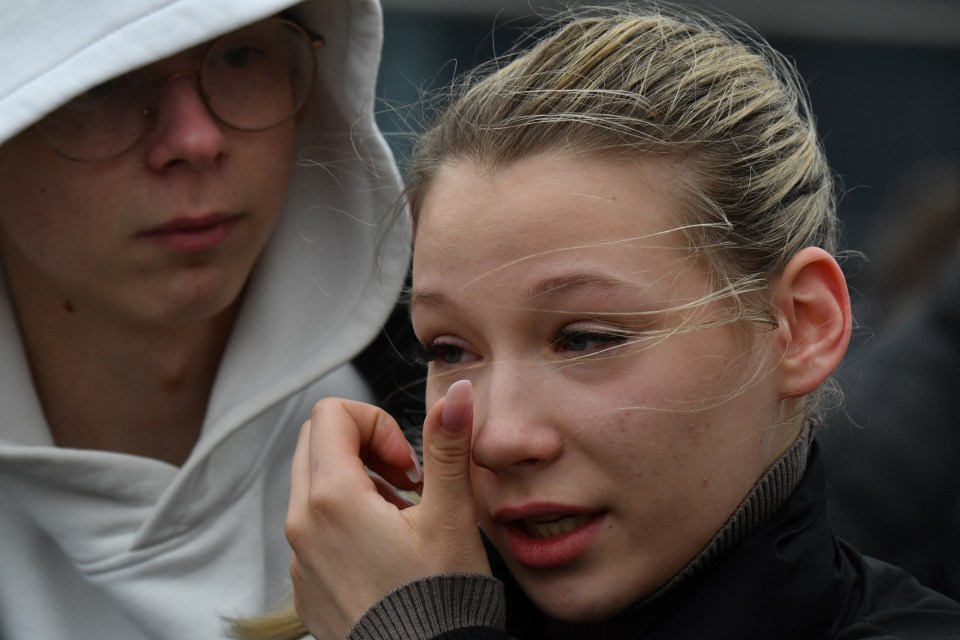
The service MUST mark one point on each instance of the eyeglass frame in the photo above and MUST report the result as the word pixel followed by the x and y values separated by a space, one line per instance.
pixel 314 40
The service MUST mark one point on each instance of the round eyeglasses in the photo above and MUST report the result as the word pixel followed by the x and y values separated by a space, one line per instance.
pixel 252 79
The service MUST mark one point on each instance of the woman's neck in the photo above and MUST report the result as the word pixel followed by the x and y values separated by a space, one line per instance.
pixel 764 500
pixel 757 510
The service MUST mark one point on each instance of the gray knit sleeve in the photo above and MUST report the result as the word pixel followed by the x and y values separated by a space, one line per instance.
pixel 429 607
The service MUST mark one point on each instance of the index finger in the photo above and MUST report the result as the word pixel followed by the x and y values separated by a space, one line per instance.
pixel 344 436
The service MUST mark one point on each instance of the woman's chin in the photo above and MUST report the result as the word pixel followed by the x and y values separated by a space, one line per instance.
pixel 578 605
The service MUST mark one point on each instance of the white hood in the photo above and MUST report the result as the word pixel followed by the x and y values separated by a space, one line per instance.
pixel 98 544
pixel 340 274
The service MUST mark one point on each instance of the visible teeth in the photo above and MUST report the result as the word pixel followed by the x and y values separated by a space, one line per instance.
pixel 547 527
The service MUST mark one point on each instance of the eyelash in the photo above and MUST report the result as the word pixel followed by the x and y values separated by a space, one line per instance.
pixel 425 353
pixel 606 339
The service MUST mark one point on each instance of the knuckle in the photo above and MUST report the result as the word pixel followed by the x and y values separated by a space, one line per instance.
pixel 302 524
pixel 449 449
pixel 453 461
pixel 294 567
pixel 324 405
pixel 296 531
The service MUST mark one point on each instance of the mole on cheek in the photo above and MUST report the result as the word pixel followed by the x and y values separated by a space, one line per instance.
pixel 68 306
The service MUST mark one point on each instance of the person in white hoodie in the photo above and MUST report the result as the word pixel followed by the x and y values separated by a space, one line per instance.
pixel 191 253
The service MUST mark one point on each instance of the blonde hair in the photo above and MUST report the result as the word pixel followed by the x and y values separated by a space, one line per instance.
pixel 278 625
pixel 635 83
pixel 629 84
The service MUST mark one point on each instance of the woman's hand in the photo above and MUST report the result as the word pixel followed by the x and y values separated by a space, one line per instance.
pixel 352 545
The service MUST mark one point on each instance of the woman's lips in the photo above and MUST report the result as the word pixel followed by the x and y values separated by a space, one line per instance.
pixel 192 234
pixel 552 527
pixel 551 539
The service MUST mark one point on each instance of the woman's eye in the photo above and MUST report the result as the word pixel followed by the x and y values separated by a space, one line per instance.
pixel 584 340
pixel 442 352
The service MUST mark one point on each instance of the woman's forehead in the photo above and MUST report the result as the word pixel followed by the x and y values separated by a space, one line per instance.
pixel 546 207
pixel 554 233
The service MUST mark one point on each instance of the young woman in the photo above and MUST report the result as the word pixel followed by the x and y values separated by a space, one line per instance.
pixel 624 284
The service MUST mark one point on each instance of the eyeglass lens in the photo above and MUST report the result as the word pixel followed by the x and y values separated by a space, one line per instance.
pixel 252 79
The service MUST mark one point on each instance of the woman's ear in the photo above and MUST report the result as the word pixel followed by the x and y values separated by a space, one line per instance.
pixel 813 305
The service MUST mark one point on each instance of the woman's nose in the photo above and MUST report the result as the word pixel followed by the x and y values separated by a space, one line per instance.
pixel 516 425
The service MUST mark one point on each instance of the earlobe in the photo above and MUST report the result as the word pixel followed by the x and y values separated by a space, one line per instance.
pixel 813 305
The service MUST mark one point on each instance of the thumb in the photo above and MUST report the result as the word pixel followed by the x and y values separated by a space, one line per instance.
pixel 446 455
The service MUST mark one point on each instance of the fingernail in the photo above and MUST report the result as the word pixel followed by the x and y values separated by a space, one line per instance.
pixel 414 473
pixel 457 406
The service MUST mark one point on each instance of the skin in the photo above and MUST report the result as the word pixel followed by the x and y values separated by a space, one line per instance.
pixel 122 333
pixel 565 421
pixel 552 297
pixel 353 539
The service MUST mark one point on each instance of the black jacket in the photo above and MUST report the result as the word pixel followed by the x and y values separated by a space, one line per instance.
pixel 892 451
pixel 790 579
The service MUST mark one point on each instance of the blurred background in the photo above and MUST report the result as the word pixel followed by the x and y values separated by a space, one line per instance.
pixel 883 77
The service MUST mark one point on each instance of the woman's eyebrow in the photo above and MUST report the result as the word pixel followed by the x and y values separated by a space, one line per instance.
pixel 555 286
pixel 562 285
pixel 428 299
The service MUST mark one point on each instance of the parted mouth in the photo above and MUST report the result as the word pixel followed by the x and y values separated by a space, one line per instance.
pixel 554 525
pixel 191 224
